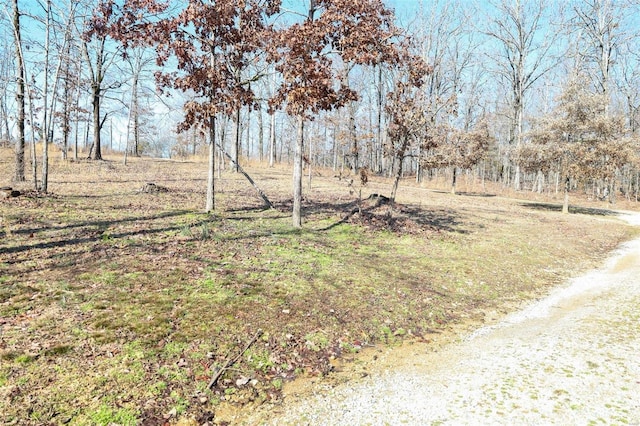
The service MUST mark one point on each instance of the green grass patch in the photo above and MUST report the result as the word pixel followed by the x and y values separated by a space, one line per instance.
pixel 106 415
pixel 119 298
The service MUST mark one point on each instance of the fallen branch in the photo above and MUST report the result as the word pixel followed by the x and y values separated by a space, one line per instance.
pixel 227 365
pixel 246 175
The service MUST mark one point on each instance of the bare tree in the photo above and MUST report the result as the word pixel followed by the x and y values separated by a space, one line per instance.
pixel 6 76
pixel 598 30
pixel 20 95
pixel 525 38
pixel 45 94
pixel 628 84
pixel 71 85
pixel 98 59
pixel 66 98
pixel 138 59
pixel 444 39
pixel 48 92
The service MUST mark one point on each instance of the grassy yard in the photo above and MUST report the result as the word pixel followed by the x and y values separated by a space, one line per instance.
pixel 118 306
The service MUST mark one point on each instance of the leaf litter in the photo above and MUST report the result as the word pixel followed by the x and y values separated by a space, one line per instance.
pixel 116 302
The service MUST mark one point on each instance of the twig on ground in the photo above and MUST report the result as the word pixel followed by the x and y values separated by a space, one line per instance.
pixel 227 365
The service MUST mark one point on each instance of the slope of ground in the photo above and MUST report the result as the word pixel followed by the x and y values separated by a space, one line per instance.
pixel 569 358
pixel 119 305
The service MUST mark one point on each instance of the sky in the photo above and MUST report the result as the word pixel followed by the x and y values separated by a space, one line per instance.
pixel 406 12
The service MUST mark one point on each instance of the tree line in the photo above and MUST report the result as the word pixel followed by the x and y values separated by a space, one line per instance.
pixel 536 95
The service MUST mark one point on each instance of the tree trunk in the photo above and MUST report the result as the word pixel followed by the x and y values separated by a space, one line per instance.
pixel 97 152
pixel 77 116
pixel 34 156
pixel 380 105
pixel 136 115
pixel 86 138
pixel 247 131
pixel 612 191
pixel 67 91
pixel 260 134
pixel 297 175
pixel 419 166
pixel 272 140
pixel 45 93
pixel 236 138
pixel 75 141
pixel 221 138
pixel 518 112
pixel 66 121
pixel 454 180
pixel 334 149
pixel 126 150
pixel 309 164
pixel 210 205
pixel 396 181
pixel 5 121
pixel 128 129
pixel 20 83
pixel 565 205
pixel 354 138
pixel 96 78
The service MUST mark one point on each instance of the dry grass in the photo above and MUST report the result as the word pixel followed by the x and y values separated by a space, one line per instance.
pixel 116 306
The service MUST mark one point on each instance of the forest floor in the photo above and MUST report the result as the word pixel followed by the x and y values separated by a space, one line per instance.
pixel 120 306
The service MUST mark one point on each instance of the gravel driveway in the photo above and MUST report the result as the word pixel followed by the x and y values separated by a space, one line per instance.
pixel 571 358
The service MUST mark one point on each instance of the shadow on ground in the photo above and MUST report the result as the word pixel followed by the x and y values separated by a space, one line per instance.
pixel 572 209
pixel 476 194
pixel 377 213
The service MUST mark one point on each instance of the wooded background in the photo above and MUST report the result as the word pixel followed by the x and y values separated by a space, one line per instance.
pixel 535 95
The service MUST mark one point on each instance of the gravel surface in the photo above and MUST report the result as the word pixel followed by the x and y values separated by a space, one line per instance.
pixel 571 358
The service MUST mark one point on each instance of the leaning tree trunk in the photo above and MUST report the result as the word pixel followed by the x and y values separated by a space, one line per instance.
pixel 264 197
